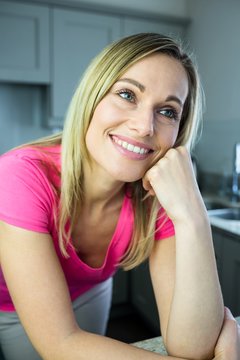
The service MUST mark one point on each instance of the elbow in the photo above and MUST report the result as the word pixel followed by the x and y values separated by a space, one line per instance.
pixel 191 347
pixel 198 343
pixel 61 348
pixel 184 352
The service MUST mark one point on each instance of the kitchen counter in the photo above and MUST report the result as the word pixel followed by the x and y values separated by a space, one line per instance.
pixel 156 344
pixel 231 226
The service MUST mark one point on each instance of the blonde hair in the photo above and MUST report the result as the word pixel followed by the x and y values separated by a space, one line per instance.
pixel 97 80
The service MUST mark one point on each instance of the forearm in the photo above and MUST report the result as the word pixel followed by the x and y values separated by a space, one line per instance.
pixel 83 345
pixel 196 314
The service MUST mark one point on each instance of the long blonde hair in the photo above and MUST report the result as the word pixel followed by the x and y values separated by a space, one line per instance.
pixel 97 80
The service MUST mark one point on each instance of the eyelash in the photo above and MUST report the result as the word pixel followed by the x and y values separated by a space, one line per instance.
pixel 126 91
pixel 174 113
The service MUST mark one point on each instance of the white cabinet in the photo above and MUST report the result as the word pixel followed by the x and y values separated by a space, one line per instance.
pixel 77 37
pixel 134 25
pixel 24 43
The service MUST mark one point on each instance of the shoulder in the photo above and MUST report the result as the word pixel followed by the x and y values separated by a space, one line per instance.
pixel 27 195
pixel 30 162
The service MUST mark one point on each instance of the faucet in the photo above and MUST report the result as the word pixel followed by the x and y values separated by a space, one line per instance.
pixel 236 171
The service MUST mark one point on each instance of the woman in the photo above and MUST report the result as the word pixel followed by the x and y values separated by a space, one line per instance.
pixel 115 188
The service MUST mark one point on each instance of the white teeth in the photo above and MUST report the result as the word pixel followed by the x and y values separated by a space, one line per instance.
pixel 136 149
pixel 130 147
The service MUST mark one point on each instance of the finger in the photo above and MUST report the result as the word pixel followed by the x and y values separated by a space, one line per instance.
pixel 228 314
pixel 148 187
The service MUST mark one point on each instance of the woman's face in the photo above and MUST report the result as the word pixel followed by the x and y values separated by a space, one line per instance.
pixel 138 120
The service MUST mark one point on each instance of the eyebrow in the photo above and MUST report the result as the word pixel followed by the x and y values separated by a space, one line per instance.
pixel 142 88
pixel 174 98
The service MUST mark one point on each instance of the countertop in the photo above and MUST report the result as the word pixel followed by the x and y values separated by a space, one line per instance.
pixel 232 226
pixel 156 344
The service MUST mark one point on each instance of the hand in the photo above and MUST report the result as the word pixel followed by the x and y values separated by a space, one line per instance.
pixel 173 181
pixel 228 345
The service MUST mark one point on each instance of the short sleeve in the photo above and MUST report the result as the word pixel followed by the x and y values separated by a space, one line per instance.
pixel 164 226
pixel 24 194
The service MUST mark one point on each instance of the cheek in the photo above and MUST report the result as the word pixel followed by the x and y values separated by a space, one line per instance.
pixel 167 137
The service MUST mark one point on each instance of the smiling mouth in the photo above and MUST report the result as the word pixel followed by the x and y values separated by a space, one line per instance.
pixel 130 147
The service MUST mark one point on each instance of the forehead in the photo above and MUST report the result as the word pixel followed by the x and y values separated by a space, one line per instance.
pixel 159 71
pixel 158 61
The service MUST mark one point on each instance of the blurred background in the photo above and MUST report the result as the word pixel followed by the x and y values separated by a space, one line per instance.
pixel 45 47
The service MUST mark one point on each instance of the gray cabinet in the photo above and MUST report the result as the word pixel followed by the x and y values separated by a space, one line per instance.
pixel 134 25
pixel 120 288
pixel 231 275
pixel 24 43
pixel 227 250
pixel 218 240
pixel 54 45
pixel 142 296
pixel 77 37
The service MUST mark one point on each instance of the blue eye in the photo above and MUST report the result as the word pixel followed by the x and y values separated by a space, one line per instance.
pixel 169 113
pixel 127 95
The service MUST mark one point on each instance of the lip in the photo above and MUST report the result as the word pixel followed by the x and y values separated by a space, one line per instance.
pixel 131 141
pixel 130 154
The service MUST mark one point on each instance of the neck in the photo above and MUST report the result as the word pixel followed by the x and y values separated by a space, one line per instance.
pixel 100 189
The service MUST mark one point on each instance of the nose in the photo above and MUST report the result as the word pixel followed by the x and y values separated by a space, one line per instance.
pixel 142 123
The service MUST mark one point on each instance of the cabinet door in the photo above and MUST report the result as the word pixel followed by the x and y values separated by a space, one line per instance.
pixel 231 274
pixel 77 38
pixel 142 296
pixel 218 240
pixel 24 43
pixel 133 26
pixel 120 287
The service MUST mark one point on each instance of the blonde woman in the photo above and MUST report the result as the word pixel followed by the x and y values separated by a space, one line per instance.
pixel 115 188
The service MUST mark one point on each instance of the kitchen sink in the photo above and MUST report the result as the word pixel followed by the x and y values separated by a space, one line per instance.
pixel 226 214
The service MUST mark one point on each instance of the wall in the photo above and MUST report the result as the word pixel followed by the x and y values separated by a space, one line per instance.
pixel 214 37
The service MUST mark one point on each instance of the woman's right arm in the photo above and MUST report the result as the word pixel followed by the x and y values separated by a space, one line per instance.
pixel 40 294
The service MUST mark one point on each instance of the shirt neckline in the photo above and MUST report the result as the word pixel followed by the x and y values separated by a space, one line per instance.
pixel 114 239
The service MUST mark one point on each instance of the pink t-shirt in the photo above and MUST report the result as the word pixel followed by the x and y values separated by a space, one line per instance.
pixel 27 199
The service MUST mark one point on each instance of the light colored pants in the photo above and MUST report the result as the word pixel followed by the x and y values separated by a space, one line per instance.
pixel 91 311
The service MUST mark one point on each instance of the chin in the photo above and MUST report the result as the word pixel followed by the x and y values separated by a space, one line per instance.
pixel 127 177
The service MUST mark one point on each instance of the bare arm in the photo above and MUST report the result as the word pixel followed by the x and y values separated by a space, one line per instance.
pixel 183 269
pixel 40 294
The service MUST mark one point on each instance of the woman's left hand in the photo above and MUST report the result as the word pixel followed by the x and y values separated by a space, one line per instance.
pixel 228 344
pixel 173 181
